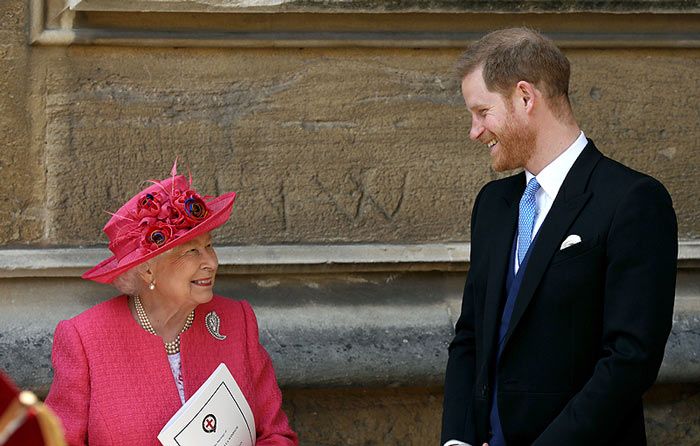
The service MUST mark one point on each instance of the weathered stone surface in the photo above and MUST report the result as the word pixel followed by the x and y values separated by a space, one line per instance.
pixel 353 29
pixel 365 416
pixel 321 330
pixel 412 416
pixel 392 5
pixel 20 162
pixel 673 415
pixel 323 145
pixel 357 166
pixel 331 146
pixel 505 5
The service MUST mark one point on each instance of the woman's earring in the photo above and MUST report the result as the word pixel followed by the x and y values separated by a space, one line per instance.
pixel 152 285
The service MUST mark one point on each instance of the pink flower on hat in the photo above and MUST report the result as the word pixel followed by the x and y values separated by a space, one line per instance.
pixel 177 217
pixel 156 235
pixel 190 206
pixel 148 205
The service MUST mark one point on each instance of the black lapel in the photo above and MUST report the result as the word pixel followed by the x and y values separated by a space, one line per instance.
pixel 570 200
pixel 505 221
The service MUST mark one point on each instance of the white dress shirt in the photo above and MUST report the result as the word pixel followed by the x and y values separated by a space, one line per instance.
pixel 550 178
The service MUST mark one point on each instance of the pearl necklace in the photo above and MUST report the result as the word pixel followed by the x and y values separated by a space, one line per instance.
pixel 171 347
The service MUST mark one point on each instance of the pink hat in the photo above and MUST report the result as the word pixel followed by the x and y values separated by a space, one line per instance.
pixel 164 215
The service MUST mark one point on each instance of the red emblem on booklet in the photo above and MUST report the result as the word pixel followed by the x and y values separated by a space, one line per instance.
pixel 209 423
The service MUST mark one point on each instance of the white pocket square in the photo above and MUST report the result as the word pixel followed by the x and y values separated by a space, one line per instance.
pixel 569 241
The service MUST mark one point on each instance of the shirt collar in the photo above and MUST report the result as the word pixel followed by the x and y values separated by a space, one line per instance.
pixel 552 176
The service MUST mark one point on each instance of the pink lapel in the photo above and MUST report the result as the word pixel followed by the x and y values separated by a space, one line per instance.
pixel 202 353
pixel 198 354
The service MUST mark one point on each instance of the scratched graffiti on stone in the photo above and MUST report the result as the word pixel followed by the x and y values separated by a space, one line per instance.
pixel 365 191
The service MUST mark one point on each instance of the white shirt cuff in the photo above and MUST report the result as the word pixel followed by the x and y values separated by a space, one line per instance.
pixel 456 443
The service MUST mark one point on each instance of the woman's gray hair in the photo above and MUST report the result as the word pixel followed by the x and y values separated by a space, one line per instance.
pixel 130 282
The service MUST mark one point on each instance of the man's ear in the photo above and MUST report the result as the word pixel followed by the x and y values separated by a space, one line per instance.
pixel 525 95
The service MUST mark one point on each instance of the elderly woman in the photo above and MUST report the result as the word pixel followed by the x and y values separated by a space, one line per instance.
pixel 124 367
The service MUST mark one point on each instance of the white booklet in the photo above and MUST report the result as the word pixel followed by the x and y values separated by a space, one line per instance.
pixel 217 415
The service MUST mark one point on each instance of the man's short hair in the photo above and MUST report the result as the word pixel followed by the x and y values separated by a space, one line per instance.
pixel 511 55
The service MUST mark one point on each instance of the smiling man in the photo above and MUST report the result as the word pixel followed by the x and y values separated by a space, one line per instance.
pixel 569 296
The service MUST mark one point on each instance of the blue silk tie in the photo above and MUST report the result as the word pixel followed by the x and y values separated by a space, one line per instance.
pixel 526 218
pixel 526 223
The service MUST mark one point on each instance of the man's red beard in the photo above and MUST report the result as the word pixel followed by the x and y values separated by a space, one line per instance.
pixel 516 145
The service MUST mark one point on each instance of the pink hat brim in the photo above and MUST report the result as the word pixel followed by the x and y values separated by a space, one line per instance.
pixel 106 271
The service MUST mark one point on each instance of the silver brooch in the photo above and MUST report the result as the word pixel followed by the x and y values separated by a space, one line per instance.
pixel 213 323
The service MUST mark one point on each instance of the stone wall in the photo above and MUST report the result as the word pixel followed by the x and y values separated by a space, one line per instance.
pixel 412 416
pixel 322 145
pixel 325 146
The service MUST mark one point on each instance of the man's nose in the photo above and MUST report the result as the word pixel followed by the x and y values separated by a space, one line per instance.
pixel 476 129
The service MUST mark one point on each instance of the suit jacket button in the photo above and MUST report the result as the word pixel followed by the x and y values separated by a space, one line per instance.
pixel 484 391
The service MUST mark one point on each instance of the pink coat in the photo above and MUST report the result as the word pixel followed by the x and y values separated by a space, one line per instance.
pixel 113 384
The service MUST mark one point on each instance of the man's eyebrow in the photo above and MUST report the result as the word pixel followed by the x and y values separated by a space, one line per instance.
pixel 477 106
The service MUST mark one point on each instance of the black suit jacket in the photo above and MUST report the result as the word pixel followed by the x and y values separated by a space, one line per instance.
pixel 590 322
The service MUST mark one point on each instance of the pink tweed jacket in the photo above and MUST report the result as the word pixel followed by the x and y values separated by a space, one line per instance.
pixel 112 380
